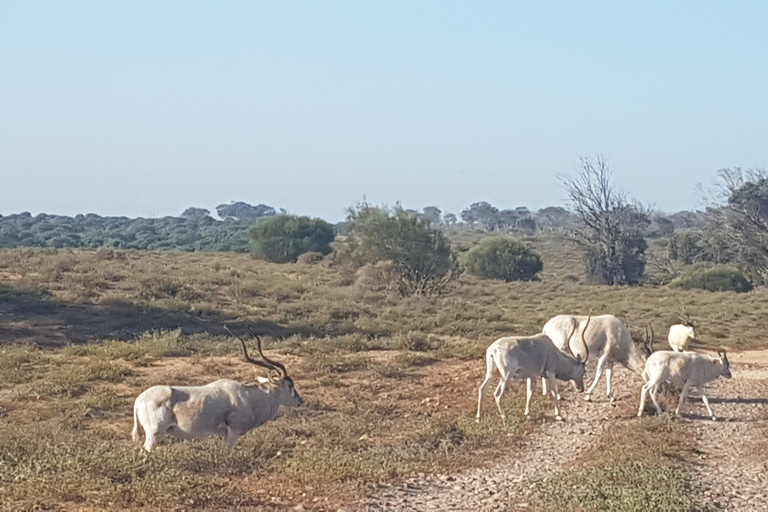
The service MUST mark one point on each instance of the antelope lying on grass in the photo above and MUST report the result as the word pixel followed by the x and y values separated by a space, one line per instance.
pixel 684 369
pixel 607 339
pixel 225 408
pixel 527 357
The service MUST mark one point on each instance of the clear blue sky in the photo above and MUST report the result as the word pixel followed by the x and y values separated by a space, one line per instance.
pixel 143 108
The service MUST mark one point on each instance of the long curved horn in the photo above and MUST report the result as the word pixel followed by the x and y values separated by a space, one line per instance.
pixel 568 341
pixel 649 342
pixel 248 358
pixel 277 365
pixel 584 341
pixel 685 318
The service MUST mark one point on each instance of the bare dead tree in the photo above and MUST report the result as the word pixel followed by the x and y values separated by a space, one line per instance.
pixel 610 227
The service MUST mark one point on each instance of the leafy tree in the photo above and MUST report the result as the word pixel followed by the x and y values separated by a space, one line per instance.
pixel 527 225
pixel 610 228
pixel 423 260
pixel 432 214
pixel 741 220
pixel 552 218
pixel 686 247
pixel 244 211
pixel 482 214
pixel 503 258
pixel 508 218
pixel 189 233
pixel 662 226
pixel 195 213
pixel 283 238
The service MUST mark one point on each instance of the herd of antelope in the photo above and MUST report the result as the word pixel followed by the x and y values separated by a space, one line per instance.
pixel 230 409
pixel 567 342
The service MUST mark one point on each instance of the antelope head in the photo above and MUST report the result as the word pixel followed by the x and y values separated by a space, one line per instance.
pixel 281 379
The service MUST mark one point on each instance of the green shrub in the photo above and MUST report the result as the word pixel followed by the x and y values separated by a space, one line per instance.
pixel 715 278
pixel 503 258
pixel 283 238
pixel 423 262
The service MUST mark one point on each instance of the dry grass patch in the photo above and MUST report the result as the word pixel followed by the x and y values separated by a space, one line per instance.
pixel 391 382
pixel 636 465
pixel 65 432
pixel 314 300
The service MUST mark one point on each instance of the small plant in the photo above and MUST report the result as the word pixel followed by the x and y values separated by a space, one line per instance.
pixel 503 258
pixel 310 258
pixel 714 278
pixel 153 288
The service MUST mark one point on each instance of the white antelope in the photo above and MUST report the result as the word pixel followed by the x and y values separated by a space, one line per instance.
pixel 225 408
pixel 528 357
pixel 680 336
pixel 607 339
pixel 684 369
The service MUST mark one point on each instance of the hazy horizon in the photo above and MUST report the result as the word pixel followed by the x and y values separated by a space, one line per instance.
pixel 144 109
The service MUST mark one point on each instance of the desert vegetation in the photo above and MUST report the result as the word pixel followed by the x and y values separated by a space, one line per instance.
pixel 384 330
pixel 390 380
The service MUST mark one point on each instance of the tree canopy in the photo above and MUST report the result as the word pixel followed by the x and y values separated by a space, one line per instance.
pixel 423 260
pixel 283 238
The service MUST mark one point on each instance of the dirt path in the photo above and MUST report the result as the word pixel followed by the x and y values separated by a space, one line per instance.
pixel 728 474
pixel 731 472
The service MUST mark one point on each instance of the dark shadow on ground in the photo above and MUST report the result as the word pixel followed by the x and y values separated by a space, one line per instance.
pixel 738 400
pixel 30 318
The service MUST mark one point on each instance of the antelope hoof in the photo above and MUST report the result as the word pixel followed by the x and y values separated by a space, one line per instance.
pixel 477 419
pixel 588 398
pixel 640 414
pixel 714 418
pixel 559 418
pixel 611 399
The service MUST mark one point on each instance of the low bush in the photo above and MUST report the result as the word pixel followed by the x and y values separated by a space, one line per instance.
pixel 310 258
pixel 283 238
pixel 714 278
pixel 503 258
pixel 424 263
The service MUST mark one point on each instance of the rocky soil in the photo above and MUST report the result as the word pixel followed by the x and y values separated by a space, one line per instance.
pixel 729 473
